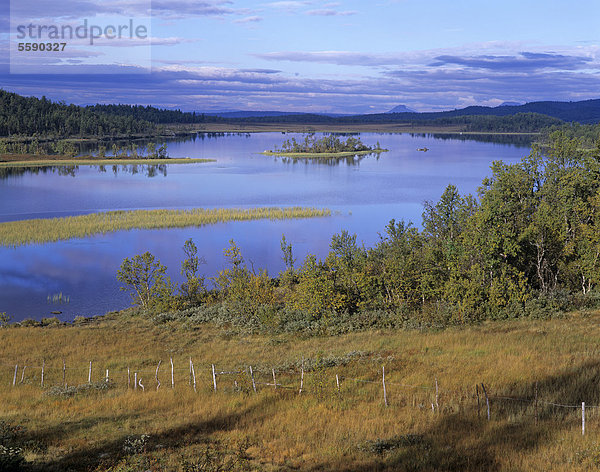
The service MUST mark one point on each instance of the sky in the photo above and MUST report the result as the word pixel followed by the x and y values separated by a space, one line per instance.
pixel 345 56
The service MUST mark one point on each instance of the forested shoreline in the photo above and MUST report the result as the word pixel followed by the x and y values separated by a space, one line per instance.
pixel 527 245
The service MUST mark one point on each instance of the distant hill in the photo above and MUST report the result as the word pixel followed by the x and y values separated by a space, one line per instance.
pixel 401 109
pixel 510 104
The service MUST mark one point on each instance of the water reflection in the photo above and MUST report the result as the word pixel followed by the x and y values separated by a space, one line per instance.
pixel 517 140
pixel 149 170
pixel 329 161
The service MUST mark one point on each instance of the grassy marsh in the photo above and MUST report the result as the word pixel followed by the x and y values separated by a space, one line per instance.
pixel 16 233
pixel 101 162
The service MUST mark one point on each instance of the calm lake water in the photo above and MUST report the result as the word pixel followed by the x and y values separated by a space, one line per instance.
pixel 364 194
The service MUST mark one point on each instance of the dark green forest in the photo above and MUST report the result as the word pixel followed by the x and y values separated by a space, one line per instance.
pixel 528 244
pixel 31 116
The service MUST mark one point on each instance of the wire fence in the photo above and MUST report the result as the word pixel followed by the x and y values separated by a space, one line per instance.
pixel 252 377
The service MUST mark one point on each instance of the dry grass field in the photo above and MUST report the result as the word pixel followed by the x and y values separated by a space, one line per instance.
pixel 101 429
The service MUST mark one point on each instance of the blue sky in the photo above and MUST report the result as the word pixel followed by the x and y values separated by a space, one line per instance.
pixel 345 56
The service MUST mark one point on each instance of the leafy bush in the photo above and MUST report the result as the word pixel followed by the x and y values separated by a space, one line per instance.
pixel 135 444
pixel 381 446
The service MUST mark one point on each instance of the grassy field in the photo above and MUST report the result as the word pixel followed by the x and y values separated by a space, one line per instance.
pixel 16 233
pixel 318 155
pixel 321 429
pixel 88 161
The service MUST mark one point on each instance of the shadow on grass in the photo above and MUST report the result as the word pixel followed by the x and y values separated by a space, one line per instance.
pixel 87 459
pixel 464 441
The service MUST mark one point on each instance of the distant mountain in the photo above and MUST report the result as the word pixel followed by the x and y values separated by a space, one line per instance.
pixel 510 104
pixel 401 109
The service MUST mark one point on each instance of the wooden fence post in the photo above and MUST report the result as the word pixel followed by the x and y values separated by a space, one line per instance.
pixel 15 376
pixel 487 401
pixel 23 374
pixel 437 405
pixel 301 377
pixel 128 379
pixel 172 374
pixel 214 378
pixel 90 373
pixel 64 373
pixel 252 377
pixel 194 377
pixel 384 391
pixel 157 381
pixel 135 381
pixel 43 367
pixel 337 381
pixel 274 381
pixel 582 418
pixel 536 403
pixel 190 379
pixel 106 378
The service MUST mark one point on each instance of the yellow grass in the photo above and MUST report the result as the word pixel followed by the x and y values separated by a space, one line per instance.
pixel 15 233
pixel 102 162
pixel 320 429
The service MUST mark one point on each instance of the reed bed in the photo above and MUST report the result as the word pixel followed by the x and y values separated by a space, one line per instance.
pixel 17 233
pixel 102 162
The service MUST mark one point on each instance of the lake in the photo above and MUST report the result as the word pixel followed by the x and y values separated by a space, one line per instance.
pixel 363 194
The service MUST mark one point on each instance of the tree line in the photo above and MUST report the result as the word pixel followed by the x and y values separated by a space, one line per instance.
pixel 528 244
pixel 31 116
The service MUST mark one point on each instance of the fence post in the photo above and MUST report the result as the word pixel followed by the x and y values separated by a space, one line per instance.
pixel 214 378
pixel 172 374
pixel 582 418
pixel 43 367
pixel 135 381
pixel 337 381
pixel 536 403
pixel 194 376
pixel 141 385
pixel 106 378
pixel 64 373
pixel 384 391
pixel 301 377
pixel 15 376
pixel 158 381
pixel 252 377
pixel 23 374
pixel 487 401
pixel 90 373
pixel 128 379
pixel 437 405
pixel 274 381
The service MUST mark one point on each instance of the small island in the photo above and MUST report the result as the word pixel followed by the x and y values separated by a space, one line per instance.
pixel 327 146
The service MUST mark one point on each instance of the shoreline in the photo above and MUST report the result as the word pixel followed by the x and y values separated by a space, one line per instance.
pixel 26 160
pixel 317 155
